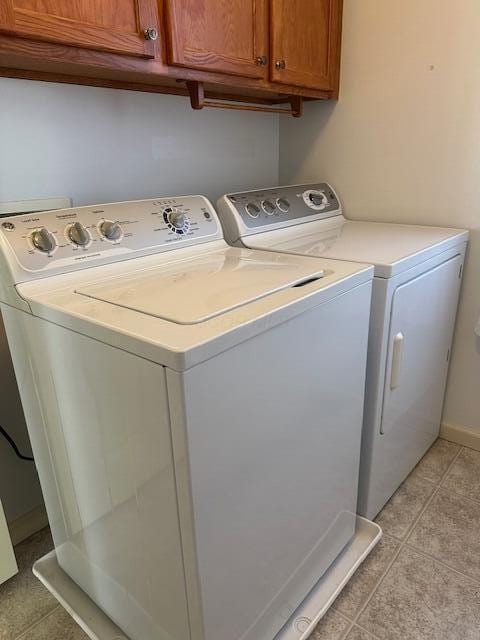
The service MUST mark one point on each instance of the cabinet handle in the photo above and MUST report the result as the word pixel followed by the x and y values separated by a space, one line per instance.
pixel 151 33
pixel 280 64
pixel 396 360
pixel 261 61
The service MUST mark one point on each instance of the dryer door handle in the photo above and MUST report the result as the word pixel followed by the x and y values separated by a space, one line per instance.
pixel 397 353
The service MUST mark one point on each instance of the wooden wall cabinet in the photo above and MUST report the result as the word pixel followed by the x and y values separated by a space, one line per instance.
pixel 262 51
pixel 305 37
pixel 228 36
pixel 118 26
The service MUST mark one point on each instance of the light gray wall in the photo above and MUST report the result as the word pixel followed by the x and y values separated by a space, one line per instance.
pixel 102 145
pixel 99 145
pixel 403 142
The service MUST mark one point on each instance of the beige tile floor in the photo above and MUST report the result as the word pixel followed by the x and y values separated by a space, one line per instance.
pixel 422 582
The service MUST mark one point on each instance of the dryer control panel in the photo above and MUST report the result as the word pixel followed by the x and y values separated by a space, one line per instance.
pixel 67 239
pixel 270 206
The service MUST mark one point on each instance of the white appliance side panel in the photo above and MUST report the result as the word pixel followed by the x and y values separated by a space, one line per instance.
pixel 273 443
pixel 17 326
pixel 420 337
pixel 376 361
pixel 107 431
pixel 8 563
pixel 24 494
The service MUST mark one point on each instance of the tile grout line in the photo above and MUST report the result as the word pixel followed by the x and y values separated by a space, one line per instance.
pixel 369 633
pixel 459 495
pixel 402 544
pixel 35 624
pixel 442 488
pixel 354 625
pixel 425 554
pixel 438 487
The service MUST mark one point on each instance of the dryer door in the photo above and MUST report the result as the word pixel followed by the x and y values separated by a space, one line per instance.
pixel 421 329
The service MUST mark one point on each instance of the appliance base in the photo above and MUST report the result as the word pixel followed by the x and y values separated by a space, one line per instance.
pixel 317 603
pixel 301 624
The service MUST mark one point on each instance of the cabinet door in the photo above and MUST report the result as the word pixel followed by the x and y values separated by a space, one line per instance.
pixel 228 36
pixel 104 25
pixel 305 40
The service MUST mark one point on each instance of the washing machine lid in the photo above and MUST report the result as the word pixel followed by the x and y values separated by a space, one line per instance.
pixel 198 289
pixel 391 248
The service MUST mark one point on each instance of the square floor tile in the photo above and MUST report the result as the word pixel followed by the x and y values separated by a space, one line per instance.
pixel 421 599
pixel 398 515
pixel 365 579
pixel 56 626
pixel 23 599
pixel 464 476
pixel 449 530
pixel 331 627
pixel 359 634
pixel 436 461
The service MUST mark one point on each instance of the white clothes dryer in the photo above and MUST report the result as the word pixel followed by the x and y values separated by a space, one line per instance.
pixel 418 273
pixel 195 415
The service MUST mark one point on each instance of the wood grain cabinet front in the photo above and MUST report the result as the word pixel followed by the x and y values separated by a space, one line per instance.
pixel 269 52
pixel 226 36
pixel 119 26
pixel 305 40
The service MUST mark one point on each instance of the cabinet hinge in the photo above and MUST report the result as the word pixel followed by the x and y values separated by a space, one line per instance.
pixel 448 355
pixel 460 271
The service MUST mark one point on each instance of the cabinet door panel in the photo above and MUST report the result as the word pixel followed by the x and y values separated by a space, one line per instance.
pixel 104 25
pixel 218 35
pixel 305 40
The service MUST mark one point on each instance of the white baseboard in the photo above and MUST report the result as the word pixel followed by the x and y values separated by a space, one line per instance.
pixel 28 524
pixel 461 435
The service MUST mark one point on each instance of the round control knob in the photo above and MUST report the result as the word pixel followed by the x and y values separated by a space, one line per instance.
pixel 315 199
pixel 268 207
pixel 78 234
pixel 177 219
pixel 111 230
pixel 43 240
pixel 252 209
pixel 283 204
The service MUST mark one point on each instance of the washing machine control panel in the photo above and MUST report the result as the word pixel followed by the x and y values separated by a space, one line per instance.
pixel 67 238
pixel 267 207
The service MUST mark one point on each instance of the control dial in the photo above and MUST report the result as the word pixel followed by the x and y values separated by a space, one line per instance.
pixel 78 234
pixel 43 240
pixel 252 209
pixel 283 204
pixel 111 230
pixel 268 207
pixel 176 220
pixel 315 199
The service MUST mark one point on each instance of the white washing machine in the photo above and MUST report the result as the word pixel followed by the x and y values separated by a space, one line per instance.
pixel 418 273
pixel 195 414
